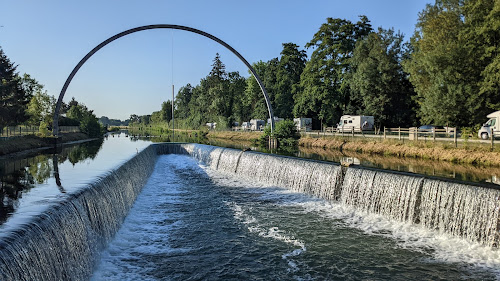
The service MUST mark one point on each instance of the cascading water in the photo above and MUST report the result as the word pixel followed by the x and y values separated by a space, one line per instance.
pixel 312 177
pixel 467 211
pixel 462 210
pixel 63 242
pixel 392 195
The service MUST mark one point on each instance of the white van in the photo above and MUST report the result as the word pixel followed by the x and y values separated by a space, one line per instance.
pixel 358 122
pixel 490 127
pixel 303 124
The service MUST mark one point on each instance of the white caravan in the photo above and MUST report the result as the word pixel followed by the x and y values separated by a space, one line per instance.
pixel 358 122
pixel 303 124
pixel 257 124
pixel 490 127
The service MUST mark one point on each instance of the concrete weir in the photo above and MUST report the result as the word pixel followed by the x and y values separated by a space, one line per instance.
pixel 64 242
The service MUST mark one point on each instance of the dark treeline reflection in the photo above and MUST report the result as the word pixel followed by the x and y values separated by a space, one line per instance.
pixel 21 175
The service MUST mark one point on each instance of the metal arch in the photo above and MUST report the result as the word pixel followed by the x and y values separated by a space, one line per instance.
pixel 55 127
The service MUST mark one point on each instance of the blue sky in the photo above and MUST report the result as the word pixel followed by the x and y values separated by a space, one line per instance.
pixel 134 74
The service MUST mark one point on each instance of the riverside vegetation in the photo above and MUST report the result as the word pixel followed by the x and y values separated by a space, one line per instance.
pixel 446 74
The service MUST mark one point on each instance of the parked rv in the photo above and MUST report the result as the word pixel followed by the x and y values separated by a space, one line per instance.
pixel 246 126
pixel 211 126
pixel 276 120
pixel 257 124
pixel 491 127
pixel 303 124
pixel 358 122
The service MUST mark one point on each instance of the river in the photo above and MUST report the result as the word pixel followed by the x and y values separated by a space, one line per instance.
pixel 191 222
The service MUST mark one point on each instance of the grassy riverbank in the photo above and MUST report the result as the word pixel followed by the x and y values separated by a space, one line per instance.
pixel 18 144
pixel 471 154
pixel 237 136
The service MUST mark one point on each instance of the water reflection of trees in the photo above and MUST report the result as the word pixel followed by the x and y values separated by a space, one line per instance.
pixel 21 175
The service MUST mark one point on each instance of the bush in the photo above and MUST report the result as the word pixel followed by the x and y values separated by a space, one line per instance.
pixel 285 132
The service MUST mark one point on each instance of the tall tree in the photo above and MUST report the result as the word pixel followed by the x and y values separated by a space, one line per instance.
pixel 166 111
pixel 13 98
pixel 324 93
pixel 481 36
pixel 291 64
pixel 41 106
pixel 378 83
pixel 254 101
pixel 182 101
pixel 454 65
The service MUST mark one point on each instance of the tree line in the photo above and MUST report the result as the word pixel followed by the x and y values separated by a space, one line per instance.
pixel 447 74
pixel 23 101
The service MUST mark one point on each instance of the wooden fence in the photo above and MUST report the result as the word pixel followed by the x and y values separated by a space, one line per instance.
pixel 414 133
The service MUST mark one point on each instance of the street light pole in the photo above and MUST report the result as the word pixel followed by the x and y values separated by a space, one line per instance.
pixel 173 124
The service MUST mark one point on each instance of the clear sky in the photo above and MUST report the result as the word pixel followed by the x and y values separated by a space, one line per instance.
pixel 134 74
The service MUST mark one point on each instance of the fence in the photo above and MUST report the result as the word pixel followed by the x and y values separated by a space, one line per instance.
pixel 17 131
pixel 416 134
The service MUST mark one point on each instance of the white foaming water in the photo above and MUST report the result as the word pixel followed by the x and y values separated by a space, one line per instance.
pixel 274 232
pixel 141 233
pixel 394 196
pixel 442 247
pixel 462 210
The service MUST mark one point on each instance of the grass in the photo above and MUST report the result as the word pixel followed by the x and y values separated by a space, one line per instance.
pixel 231 135
pixel 467 153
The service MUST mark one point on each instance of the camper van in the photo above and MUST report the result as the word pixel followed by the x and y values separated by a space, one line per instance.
pixel 492 127
pixel 358 122
pixel 303 124
pixel 257 124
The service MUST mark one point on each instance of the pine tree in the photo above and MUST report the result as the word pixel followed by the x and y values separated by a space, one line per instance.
pixel 13 98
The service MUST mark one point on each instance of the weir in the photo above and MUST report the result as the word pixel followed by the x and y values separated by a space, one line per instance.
pixel 64 242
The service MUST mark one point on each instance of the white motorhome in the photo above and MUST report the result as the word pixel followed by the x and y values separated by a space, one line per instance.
pixel 303 124
pixel 246 126
pixel 276 120
pixel 357 122
pixel 491 127
pixel 257 124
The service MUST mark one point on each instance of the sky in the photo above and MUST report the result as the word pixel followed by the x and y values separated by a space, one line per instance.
pixel 135 74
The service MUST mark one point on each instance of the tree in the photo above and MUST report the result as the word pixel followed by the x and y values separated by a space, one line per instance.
pixel 88 122
pixel 41 106
pixel 454 64
pixel 378 84
pixel 253 101
pixel 324 93
pixel 166 111
pixel 481 35
pixel 182 101
pixel 291 65
pixel 134 118
pixel 13 98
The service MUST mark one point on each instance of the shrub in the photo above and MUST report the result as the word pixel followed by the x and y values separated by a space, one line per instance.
pixel 285 132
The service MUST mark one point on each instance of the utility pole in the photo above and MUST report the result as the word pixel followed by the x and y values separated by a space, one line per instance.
pixel 173 124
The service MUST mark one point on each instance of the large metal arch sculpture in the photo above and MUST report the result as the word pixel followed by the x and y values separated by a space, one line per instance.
pixel 55 127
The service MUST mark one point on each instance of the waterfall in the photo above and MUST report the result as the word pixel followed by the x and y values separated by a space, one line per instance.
pixel 63 242
pixel 312 177
pixel 393 195
pixel 228 160
pixel 463 210
pixel 467 210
